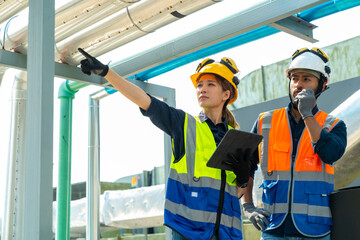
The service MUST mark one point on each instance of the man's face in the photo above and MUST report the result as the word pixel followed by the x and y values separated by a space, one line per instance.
pixel 300 81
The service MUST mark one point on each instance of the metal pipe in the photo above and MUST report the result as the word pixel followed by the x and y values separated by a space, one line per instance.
pixel 157 61
pixel 2 72
pixel 79 14
pixel 69 19
pixel 82 24
pixel 10 8
pixel 13 220
pixel 125 26
pixel 67 92
pixel 93 182
pixel 347 169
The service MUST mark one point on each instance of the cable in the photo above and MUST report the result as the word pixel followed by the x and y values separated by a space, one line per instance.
pixel 6 29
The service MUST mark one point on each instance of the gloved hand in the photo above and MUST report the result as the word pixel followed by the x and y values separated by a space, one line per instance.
pixel 240 165
pixel 92 65
pixel 256 215
pixel 305 102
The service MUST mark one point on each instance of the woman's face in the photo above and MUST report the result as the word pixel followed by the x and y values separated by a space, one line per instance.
pixel 210 93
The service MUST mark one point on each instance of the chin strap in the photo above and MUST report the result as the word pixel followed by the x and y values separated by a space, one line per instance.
pixel 319 90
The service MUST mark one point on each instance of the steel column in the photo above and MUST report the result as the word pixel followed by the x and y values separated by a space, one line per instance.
pixel 39 122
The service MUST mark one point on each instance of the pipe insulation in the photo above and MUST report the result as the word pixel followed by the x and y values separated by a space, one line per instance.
pixel 69 19
pixel 100 26
pixel 13 222
pixel 347 168
pixel 9 8
pixel 125 26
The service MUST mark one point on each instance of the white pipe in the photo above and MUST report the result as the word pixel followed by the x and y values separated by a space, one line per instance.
pixel 101 26
pixel 125 26
pixel 79 14
pixel 347 169
pixel 13 221
pixel 2 72
pixel 9 8
pixel 93 182
pixel 349 112
pixel 69 19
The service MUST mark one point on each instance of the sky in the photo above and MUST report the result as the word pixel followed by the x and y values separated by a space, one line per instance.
pixel 129 143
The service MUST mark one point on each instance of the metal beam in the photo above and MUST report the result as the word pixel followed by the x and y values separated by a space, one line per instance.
pixel 296 27
pixel 232 26
pixel 39 122
pixel 19 61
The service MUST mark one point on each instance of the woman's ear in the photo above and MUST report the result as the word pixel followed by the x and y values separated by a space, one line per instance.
pixel 227 95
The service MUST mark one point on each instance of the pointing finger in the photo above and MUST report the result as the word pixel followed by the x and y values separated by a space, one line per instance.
pixel 85 54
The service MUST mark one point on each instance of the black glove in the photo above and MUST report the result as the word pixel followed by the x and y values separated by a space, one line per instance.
pixel 92 65
pixel 240 165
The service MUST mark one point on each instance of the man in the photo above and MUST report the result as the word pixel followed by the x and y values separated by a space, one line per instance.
pixel 296 156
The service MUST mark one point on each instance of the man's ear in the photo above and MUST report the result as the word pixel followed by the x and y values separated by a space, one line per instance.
pixel 323 86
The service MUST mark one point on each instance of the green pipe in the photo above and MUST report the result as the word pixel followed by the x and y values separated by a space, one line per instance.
pixel 66 95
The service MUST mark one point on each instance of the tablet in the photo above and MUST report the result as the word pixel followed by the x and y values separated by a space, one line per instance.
pixel 232 141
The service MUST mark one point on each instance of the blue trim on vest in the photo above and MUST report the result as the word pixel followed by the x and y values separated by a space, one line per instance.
pixel 275 191
pixel 207 200
pixel 312 195
pixel 200 229
pixel 313 225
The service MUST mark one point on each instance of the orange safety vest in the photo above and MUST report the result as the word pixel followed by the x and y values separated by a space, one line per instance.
pixel 301 181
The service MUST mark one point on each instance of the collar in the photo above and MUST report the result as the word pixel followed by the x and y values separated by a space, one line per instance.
pixel 204 118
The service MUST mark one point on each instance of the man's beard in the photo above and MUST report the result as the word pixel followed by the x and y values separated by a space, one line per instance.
pixel 293 99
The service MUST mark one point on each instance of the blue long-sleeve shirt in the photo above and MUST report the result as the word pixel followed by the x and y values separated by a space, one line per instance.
pixel 171 121
pixel 330 147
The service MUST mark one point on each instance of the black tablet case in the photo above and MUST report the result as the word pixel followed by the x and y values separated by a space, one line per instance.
pixel 232 141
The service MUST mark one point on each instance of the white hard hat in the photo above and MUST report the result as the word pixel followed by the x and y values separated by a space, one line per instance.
pixel 313 59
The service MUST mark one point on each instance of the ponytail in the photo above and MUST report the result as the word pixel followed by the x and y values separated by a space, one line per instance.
pixel 226 113
pixel 230 118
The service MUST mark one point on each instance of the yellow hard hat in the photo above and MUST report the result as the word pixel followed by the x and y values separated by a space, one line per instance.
pixel 226 69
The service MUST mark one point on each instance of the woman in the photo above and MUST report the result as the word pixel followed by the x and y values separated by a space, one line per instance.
pixel 201 202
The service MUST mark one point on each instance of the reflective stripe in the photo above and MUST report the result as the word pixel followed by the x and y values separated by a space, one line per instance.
pixel 190 145
pixel 311 210
pixel 314 176
pixel 276 175
pixel 265 129
pixel 199 216
pixel 329 122
pixel 231 222
pixel 204 182
pixel 196 178
pixel 276 207
pixel 312 179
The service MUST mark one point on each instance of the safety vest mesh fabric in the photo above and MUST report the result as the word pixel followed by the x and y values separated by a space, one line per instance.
pixel 193 189
pixel 307 182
